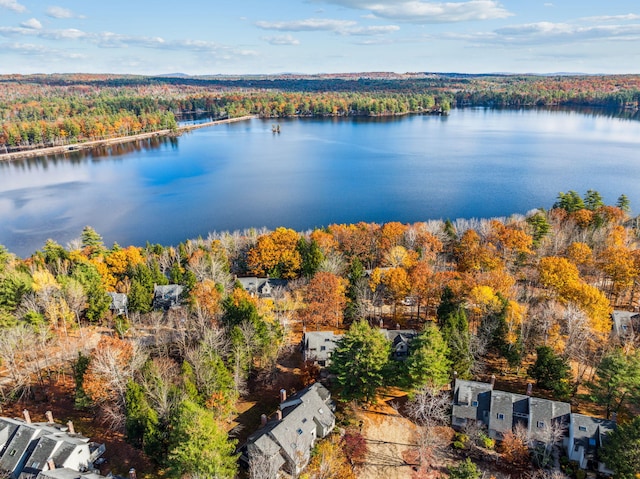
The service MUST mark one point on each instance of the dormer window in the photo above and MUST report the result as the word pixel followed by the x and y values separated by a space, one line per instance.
pixel 474 403
pixel 501 416
pixel 540 424
pixel 582 428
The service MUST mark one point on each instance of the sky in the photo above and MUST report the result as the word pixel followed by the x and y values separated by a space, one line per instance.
pixel 199 37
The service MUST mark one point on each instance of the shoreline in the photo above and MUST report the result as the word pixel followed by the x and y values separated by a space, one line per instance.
pixel 53 150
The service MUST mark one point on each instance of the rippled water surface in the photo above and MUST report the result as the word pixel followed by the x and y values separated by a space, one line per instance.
pixel 474 163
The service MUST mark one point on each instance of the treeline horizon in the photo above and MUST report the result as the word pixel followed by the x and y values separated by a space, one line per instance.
pixel 48 110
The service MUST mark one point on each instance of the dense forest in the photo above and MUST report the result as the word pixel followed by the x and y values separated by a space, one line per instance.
pixel 50 110
pixel 526 296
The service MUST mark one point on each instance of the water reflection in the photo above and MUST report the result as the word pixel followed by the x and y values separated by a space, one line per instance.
pixel 80 157
pixel 473 163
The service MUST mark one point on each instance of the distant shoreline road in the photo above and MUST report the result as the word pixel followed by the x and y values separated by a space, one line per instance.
pixel 53 150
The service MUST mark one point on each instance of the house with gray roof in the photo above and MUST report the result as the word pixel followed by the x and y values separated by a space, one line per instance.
pixel 471 402
pixel 119 303
pixel 166 296
pixel 535 414
pixel 400 340
pixel 262 287
pixel 625 323
pixel 286 441
pixel 501 411
pixel 68 474
pixel 586 436
pixel 27 448
pixel 317 346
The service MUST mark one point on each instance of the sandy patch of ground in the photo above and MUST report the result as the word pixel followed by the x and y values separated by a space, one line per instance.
pixel 389 436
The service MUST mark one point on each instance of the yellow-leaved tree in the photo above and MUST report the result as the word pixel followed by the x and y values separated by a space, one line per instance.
pixel 276 254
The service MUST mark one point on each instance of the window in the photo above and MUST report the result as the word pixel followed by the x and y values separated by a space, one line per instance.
pixel 323 348
pixel 474 403
pixel 299 431
pixel 582 428
pixel 13 452
pixel 540 424
pixel 592 442
pixel 304 420
pixel 500 416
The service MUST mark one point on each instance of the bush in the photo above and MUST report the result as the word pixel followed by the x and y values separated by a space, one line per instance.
pixel 461 437
pixel 487 442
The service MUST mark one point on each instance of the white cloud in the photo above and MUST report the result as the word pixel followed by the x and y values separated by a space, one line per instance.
pixel 116 40
pixel 59 12
pixel 341 27
pixel 375 30
pixel 13 5
pixel 39 51
pixel 611 18
pixel 422 12
pixel 282 40
pixel 308 25
pixel 548 33
pixel 32 23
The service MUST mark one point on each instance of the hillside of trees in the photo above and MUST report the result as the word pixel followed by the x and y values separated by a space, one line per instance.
pixel 50 110
pixel 489 296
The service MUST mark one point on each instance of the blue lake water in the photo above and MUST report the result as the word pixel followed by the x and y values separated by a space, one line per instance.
pixel 473 163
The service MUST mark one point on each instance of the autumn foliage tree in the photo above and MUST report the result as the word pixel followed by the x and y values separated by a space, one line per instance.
pixel 326 299
pixel 276 254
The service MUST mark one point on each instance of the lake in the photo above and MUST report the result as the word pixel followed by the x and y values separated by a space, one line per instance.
pixel 473 163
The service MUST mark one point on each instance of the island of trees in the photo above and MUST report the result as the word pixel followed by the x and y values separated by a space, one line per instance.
pixel 50 110
pixel 525 299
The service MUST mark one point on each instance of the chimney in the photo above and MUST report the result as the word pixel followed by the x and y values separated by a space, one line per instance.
pixel 49 415
pixel 263 420
pixel 132 473
pixel 529 389
pixel 27 416
pixel 51 464
pixel 283 395
pixel 71 428
pixel 278 415
pixel 493 380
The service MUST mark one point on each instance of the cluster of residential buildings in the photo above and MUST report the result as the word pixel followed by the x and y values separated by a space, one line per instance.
pixel 46 450
pixel 501 412
pixel 285 441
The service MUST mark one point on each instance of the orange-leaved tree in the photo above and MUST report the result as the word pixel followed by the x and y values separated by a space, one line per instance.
pixel 276 254
pixel 326 299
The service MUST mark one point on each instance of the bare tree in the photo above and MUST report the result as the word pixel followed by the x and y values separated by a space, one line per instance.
pixel 546 439
pixel 429 408
pixel 334 263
